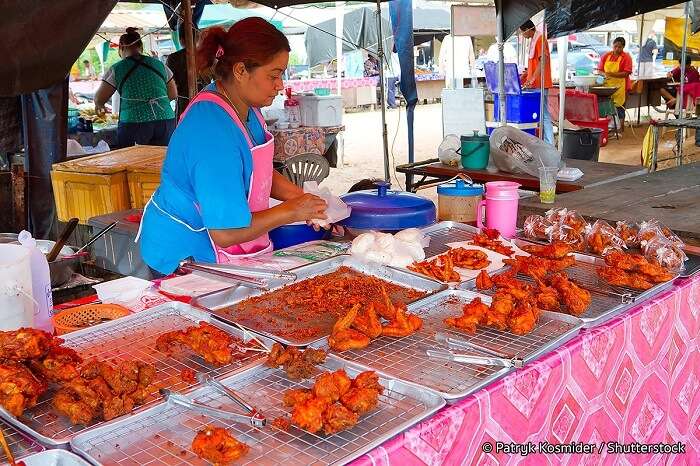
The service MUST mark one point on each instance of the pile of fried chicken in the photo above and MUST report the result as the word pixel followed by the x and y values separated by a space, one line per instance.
pixel 335 402
pixel 358 327
pixel 205 340
pixel 32 359
pixel 632 271
pixel 297 364
pixel 443 266
pixel 489 239
pixel 217 446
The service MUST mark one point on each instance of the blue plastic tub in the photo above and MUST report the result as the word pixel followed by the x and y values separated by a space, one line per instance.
pixel 532 131
pixel 291 235
pixel 522 108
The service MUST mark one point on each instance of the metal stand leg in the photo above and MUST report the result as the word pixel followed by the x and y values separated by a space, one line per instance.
pixel 655 154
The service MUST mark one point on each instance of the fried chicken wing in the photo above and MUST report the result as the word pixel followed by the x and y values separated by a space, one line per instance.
pixel 26 343
pixel 337 418
pixel 483 281
pixel 361 400
pixel 19 388
pixel 368 322
pixel 576 299
pixel 489 240
pixel 206 340
pixel 403 324
pixel 309 414
pixel 473 314
pixel 343 338
pixel 331 385
pixel 294 396
pixel 555 250
pixel 217 446
pixel 59 365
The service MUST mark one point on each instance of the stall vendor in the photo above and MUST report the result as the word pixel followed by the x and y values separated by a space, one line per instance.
pixel 616 65
pixel 217 178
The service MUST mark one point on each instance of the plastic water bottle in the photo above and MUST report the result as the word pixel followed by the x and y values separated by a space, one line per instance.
pixel 41 283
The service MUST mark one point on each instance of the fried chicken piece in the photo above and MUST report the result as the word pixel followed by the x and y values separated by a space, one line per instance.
pixel 547 297
pixel 619 277
pixel 217 446
pixel 294 396
pixel 440 268
pixel 331 385
pixel 314 356
pixel 368 379
pixel 576 299
pixel 555 250
pixel 493 243
pixel 502 306
pixel 491 233
pixel 368 322
pixel 523 318
pixel 19 388
pixel 26 343
pixel 532 266
pixel 309 414
pixel 113 405
pixel 483 281
pixel 403 324
pixel 473 314
pixel 282 423
pixel 59 365
pixel 343 338
pixel 297 364
pixel 206 340
pixel 277 356
pixel 472 259
pixel 337 418
pixel 652 271
pixel 361 400
pixel 78 402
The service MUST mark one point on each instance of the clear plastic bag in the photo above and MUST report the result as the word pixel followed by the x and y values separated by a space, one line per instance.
pixel 601 238
pixel 666 252
pixel 515 151
pixel 537 227
pixel 576 222
pixel 448 151
pixel 563 232
pixel 629 233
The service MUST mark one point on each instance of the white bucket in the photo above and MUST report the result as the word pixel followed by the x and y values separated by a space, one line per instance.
pixel 16 302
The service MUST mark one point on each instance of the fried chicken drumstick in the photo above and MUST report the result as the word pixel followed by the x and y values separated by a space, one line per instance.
pixel 217 446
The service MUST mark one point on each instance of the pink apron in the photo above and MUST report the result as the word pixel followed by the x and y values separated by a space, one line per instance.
pixel 260 180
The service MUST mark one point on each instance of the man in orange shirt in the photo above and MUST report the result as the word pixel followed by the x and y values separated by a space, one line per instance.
pixel 538 57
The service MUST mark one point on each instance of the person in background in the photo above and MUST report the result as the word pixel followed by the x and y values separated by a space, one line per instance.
pixel 691 75
pixel 371 66
pixel 538 59
pixel 393 76
pixel 88 71
pixel 145 87
pixel 616 65
pixel 177 63
pixel 646 57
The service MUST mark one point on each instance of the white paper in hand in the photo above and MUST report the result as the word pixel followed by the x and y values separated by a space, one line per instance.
pixel 336 210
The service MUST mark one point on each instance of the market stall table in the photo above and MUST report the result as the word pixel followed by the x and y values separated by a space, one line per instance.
pixel 429 86
pixel 670 196
pixel 594 174
pixel 632 380
pixel 678 124
pixel 646 92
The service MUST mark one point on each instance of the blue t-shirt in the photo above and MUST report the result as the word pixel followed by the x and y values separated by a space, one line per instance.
pixel 204 183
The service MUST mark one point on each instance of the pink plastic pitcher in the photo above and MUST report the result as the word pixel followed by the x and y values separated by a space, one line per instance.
pixel 501 207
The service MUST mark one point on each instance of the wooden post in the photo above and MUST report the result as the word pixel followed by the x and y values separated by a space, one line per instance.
pixel 189 48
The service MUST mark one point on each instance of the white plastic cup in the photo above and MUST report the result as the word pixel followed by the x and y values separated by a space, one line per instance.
pixel 548 184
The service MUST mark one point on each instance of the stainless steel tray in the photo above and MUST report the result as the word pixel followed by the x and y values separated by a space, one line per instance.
pixel 20 444
pixel 54 457
pixel 163 434
pixel 443 233
pixel 218 302
pixel 132 337
pixel 406 359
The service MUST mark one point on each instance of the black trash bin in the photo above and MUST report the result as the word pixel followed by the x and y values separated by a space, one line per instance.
pixel 582 144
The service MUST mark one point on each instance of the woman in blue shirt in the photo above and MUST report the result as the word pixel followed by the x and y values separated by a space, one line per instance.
pixel 217 178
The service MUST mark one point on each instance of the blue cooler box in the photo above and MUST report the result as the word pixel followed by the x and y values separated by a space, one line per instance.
pixel 520 108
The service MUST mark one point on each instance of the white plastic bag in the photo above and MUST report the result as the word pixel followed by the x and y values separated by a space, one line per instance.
pixel 336 211
pixel 447 150
pixel 515 151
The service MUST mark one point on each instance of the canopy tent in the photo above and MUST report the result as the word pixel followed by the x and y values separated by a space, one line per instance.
pixel 359 32
pixel 430 23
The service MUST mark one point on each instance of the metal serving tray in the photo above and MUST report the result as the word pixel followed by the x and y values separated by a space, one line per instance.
pixel 132 337
pixel 54 457
pixel 163 434
pixel 265 325
pixel 443 233
pixel 20 444
pixel 406 359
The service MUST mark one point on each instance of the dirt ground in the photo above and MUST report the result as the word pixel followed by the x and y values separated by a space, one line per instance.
pixel 363 156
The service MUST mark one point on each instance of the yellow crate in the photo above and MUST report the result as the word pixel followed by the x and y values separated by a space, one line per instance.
pixel 98 184
pixel 86 195
pixel 143 181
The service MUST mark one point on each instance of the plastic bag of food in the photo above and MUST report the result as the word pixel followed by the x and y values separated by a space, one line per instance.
pixel 448 151
pixel 556 216
pixel 665 252
pixel 563 232
pixel 651 229
pixel 575 221
pixel 629 233
pixel 413 235
pixel 516 151
pixel 601 238
pixel 537 227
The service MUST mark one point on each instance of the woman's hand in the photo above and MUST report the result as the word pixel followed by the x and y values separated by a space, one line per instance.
pixel 305 208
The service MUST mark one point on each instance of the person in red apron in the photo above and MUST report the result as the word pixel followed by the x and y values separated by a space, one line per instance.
pixel 213 203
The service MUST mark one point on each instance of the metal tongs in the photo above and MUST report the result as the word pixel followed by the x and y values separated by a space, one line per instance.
pixel 240 275
pixel 494 357
pixel 254 417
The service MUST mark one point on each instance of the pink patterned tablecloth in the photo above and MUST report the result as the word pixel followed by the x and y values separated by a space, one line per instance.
pixel 303 85
pixel 634 379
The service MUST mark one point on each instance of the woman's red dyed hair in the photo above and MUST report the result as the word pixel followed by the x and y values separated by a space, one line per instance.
pixel 251 41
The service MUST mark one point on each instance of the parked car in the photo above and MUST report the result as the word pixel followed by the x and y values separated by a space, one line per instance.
pixel 578 56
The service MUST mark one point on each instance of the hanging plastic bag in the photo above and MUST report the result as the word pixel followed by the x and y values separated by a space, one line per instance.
pixel 515 151
pixel 448 151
